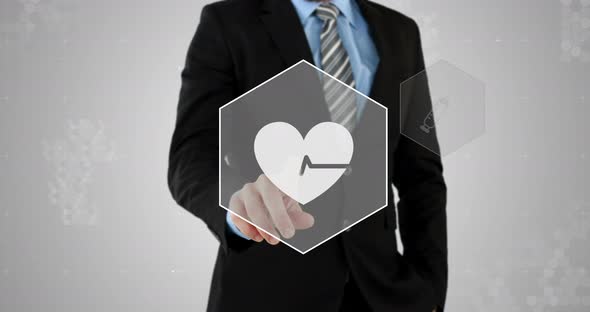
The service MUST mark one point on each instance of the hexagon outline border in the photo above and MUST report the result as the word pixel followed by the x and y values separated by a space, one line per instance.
pixel 426 71
pixel 386 155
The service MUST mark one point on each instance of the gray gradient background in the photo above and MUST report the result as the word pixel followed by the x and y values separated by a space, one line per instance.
pixel 87 102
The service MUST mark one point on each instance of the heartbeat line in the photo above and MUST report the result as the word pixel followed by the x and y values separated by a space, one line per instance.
pixel 306 163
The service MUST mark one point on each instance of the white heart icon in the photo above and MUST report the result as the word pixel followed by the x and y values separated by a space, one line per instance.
pixel 303 168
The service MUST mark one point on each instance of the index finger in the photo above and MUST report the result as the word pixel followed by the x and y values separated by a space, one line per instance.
pixel 273 200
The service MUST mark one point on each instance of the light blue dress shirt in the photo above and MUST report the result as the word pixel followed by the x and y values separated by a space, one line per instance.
pixel 356 39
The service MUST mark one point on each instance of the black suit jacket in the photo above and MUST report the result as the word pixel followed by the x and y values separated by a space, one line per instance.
pixel 242 43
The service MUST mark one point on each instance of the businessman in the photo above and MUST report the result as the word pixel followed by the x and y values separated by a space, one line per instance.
pixel 242 43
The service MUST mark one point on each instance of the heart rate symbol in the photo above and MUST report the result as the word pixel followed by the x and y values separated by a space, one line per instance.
pixel 306 163
pixel 283 154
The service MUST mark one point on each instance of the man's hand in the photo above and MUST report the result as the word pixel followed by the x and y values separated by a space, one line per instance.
pixel 263 204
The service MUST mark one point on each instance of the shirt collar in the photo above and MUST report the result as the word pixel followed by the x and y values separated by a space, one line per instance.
pixel 347 8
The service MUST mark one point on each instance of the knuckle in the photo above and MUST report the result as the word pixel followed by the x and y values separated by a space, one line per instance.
pixel 255 210
pixel 248 187
pixel 243 229
pixel 262 178
pixel 263 182
pixel 269 189
pixel 234 198
pixel 266 188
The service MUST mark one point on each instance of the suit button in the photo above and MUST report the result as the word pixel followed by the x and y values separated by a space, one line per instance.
pixel 228 159
pixel 348 171
pixel 345 224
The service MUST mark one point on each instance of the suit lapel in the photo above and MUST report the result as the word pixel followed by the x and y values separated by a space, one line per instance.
pixel 286 31
pixel 381 34
pixel 281 21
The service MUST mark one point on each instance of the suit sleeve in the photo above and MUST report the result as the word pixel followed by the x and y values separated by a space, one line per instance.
pixel 418 176
pixel 208 82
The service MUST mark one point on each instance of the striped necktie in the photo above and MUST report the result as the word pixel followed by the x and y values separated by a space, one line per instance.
pixel 335 61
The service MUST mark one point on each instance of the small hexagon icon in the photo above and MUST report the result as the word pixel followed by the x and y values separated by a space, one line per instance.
pixel 447 108
pixel 303 157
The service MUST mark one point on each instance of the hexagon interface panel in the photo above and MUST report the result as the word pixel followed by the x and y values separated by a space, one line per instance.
pixel 442 108
pixel 292 138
